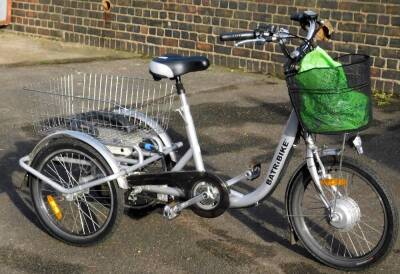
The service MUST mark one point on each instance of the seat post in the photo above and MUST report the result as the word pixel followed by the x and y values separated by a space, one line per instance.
pixel 189 125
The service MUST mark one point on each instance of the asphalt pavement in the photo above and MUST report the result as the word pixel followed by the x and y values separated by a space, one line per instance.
pixel 239 117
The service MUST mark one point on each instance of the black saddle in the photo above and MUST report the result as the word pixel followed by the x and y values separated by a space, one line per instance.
pixel 171 66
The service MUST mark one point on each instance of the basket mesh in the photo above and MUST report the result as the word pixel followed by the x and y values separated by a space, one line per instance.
pixel 105 106
pixel 335 99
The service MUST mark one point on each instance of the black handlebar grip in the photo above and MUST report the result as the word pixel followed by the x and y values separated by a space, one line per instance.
pixel 298 16
pixel 304 16
pixel 237 36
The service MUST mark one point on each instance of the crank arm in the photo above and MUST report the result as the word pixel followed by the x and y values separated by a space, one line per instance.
pixel 173 212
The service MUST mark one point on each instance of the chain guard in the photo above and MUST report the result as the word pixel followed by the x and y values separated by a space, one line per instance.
pixel 187 182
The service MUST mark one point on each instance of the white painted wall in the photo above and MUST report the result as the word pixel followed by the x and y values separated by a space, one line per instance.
pixel 3 10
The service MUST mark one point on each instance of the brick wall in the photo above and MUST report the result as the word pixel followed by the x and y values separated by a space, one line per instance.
pixel 191 27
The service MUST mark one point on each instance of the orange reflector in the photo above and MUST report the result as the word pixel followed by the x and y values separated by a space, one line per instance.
pixel 333 182
pixel 54 207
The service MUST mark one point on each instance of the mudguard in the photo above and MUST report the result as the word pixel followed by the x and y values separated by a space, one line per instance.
pixel 85 138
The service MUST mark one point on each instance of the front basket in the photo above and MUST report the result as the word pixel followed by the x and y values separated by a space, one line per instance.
pixel 336 99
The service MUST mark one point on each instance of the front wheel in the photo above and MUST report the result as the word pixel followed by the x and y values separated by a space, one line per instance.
pixel 358 230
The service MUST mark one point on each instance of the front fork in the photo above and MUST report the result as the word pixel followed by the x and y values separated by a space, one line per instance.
pixel 312 157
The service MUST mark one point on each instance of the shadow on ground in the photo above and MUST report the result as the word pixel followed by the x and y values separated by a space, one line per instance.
pixel 13 180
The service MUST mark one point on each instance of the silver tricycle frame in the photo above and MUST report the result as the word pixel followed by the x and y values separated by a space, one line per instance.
pixel 167 147
pixel 237 199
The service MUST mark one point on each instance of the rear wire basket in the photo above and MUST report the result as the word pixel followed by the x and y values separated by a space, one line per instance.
pixel 115 109
pixel 333 100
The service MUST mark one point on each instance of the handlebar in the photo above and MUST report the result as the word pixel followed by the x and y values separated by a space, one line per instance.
pixel 237 36
pixel 308 21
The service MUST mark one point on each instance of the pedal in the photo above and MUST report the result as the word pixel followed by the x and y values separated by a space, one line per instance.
pixel 170 212
pixel 254 172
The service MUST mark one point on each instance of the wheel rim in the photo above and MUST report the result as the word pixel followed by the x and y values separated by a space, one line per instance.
pixel 356 237
pixel 86 213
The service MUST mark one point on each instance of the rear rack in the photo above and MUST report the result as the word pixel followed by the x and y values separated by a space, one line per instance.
pixel 115 109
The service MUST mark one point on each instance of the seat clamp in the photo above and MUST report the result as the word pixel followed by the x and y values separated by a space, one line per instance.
pixel 179 87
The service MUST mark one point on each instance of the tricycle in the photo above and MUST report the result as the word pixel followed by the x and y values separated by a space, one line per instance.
pixel 106 147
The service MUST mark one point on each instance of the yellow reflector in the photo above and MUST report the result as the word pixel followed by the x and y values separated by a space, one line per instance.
pixel 333 182
pixel 54 207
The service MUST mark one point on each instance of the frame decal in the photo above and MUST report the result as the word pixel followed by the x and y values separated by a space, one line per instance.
pixel 278 161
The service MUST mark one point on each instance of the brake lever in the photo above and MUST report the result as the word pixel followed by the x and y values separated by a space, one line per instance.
pixel 259 41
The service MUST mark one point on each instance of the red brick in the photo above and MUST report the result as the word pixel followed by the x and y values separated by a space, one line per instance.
pixel 204 46
pixel 170 42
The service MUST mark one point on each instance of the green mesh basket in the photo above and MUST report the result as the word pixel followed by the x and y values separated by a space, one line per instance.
pixel 332 96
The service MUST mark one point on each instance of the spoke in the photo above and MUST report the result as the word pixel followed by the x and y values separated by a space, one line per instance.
pixel 370 227
pixel 85 220
pixel 315 223
pixel 323 241
pixel 314 208
pixel 362 238
pixel 361 247
pixel 354 247
pixel 80 216
pixel 90 219
pixel 315 202
pixel 70 165
pixel 61 180
pixel 50 175
pixel 80 168
pixel 84 213
pixel 344 245
pixel 313 198
pixel 100 190
pixel 102 204
pixel 96 201
pixel 49 190
pixel 66 170
pixel 90 212
pixel 307 215
pixel 68 173
pixel 73 178
pixel 73 216
pixel 350 184
pixel 99 211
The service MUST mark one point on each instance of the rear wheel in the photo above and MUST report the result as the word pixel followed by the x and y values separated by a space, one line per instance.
pixel 362 227
pixel 83 218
